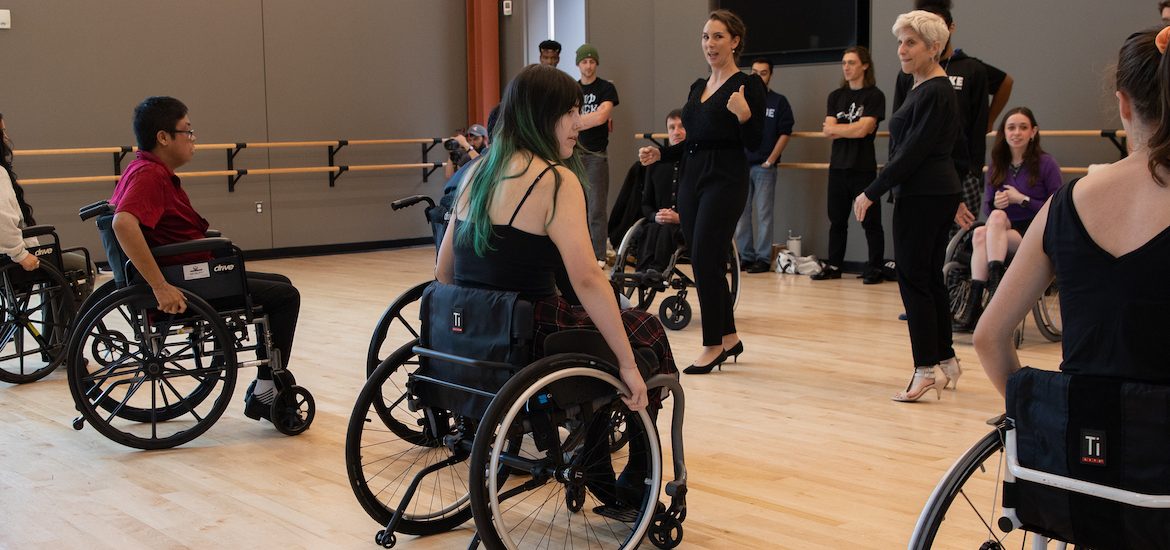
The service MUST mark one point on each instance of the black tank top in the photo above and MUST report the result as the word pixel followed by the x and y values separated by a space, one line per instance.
pixel 516 260
pixel 1115 310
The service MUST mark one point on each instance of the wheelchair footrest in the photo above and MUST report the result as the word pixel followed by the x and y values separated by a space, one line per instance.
pixel 617 513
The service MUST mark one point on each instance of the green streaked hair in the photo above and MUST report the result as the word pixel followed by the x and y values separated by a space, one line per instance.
pixel 533 103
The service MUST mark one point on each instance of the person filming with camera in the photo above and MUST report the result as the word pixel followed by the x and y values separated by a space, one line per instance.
pixel 464 149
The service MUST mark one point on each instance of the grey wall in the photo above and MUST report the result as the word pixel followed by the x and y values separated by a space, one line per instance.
pixel 250 70
pixel 1059 52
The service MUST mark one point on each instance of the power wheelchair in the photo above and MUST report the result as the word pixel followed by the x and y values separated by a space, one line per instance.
pixel 37 308
pixel 640 283
pixel 460 423
pixel 957 275
pixel 1076 459
pixel 152 380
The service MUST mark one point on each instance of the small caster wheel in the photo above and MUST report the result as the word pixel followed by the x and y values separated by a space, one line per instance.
pixel 103 349
pixel 79 423
pixel 384 539
pixel 293 410
pixel 574 498
pixel 675 313
pixel 665 532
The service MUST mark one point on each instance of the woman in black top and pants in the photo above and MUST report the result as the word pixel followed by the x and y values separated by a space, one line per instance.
pixel 721 120
pixel 926 190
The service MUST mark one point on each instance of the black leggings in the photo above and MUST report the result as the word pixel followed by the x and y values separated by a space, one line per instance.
pixel 708 214
pixel 921 224
pixel 844 186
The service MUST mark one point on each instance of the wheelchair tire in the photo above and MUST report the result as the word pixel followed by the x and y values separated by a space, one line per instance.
pixel 171 384
pixel 383 453
pixel 674 312
pixel 529 506
pixel 965 505
pixel 399 319
pixel 35 316
pixel 1046 312
pixel 293 410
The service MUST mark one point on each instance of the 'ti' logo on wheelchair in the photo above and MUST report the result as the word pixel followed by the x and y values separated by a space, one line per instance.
pixel 1093 447
pixel 457 321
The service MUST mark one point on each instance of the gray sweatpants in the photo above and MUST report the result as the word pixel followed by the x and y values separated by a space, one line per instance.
pixel 596 200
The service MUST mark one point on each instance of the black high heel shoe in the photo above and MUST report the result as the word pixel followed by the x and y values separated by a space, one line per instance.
pixel 735 350
pixel 704 369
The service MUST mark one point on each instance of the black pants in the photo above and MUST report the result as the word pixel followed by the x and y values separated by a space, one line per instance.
pixel 281 301
pixel 844 186
pixel 708 212
pixel 920 244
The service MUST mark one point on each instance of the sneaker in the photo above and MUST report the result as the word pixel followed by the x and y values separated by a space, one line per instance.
pixel 758 267
pixel 872 277
pixel 255 406
pixel 829 272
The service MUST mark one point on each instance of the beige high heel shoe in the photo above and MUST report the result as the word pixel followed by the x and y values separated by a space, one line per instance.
pixel 951 371
pixel 922 382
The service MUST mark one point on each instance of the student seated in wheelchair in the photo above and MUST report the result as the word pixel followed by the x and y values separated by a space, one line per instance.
pixel 520 216
pixel 1102 419
pixel 152 209
pixel 658 235
pixel 1018 183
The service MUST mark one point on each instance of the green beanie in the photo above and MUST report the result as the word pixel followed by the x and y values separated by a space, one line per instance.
pixel 587 50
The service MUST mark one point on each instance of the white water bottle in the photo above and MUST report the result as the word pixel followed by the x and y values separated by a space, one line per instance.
pixel 794 244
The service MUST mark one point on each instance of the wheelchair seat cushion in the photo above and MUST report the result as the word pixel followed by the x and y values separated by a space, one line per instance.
pixel 1102 430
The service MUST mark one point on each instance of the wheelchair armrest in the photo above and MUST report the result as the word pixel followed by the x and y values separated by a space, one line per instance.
pixel 211 233
pixel 95 209
pixel 38 230
pixel 187 247
pixel 591 342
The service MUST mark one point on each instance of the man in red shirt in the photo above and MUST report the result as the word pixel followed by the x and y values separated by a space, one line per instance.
pixel 152 209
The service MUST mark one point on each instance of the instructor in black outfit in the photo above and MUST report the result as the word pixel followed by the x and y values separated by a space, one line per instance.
pixel 926 190
pixel 723 116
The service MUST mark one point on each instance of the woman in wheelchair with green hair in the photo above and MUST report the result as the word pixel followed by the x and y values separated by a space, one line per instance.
pixel 1106 239
pixel 520 215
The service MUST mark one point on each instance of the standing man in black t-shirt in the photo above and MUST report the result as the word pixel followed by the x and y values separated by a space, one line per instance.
pixel 596 112
pixel 755 247
pixel 851 120
pixel 973 82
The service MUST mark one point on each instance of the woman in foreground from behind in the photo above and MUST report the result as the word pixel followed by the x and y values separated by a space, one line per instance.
pixel 1106 239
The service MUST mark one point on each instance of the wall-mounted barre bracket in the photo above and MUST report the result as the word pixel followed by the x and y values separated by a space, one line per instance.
pixel 118 159
pixel 231 164
pixel 431 170
pixel 1120 145
pixel 426 148
pixel 333 176
pixel 233 179
pixel 333 149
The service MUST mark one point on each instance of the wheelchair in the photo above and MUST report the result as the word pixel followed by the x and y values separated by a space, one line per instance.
pixel 37 308
pixel 152 380
pixel 640 284
pixel 957 275
pixel 1075 460
pixel 528 449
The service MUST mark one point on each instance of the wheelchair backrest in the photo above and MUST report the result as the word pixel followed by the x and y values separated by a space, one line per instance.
pixel 480 324
pixel 1106 431
pixel 114 254
pixel 48 251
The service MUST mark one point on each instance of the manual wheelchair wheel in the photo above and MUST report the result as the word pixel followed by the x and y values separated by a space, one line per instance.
pixel 386 444
pixel 293 410
pixel 36 310
pixel 675 313
pixel 1047 314
pixel 563 402
pixel 399 324
pixel 172 381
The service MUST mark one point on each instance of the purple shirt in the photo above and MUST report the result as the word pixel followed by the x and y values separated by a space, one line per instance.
pixel 1047 183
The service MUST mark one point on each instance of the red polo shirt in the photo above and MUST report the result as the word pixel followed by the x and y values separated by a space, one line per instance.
pixel 151 192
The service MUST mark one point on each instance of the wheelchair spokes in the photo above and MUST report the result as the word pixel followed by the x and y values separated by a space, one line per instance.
pixel 34 319
pixel 399 324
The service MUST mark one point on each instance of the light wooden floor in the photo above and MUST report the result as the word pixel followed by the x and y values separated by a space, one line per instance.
pixel 796 446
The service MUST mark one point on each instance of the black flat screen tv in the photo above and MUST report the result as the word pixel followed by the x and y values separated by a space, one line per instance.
pixel 793 32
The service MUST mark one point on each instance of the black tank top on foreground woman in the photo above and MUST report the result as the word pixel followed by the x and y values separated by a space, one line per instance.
pixel 515 261
pixel 1114 309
